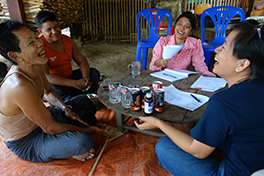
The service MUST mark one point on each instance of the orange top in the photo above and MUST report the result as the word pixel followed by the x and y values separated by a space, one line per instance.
pixel 59 62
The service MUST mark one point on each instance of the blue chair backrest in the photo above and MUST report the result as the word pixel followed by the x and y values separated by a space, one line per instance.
pixel 221 17
pixel 153 16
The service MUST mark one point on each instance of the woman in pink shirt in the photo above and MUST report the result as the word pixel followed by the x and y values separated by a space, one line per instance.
pixel 191 52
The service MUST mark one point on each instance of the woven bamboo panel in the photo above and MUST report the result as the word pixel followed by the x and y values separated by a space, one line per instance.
pixel 114 19
pixel 190 4
pixel 32 7
pixel 174 6
pixel 67 11
pixel 4 13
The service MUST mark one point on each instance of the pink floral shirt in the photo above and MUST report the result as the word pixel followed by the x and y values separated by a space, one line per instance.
pixel 192 51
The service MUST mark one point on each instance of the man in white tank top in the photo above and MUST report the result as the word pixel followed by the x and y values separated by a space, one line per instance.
pixel 58 132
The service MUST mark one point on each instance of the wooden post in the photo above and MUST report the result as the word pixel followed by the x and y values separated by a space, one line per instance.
pixel 16 10
pixel 250 6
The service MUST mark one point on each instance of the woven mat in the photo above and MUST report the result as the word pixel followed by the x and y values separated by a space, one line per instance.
pixel 112 134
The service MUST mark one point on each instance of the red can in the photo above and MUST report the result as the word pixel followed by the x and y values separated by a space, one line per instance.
pixel 156 85
pixel 159 100
pixel 135 104
pixel 144 90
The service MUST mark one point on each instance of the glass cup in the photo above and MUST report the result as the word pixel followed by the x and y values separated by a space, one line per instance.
pixel 114 92
pixel 126 96
pixel 135 68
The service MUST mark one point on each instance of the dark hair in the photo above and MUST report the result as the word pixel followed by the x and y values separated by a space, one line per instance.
pixel 248 44
pixel 190 16
pixel 8 41
pixel 43 17
pixel 3 71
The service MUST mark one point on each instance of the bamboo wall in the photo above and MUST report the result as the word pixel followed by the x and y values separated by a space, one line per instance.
pixel 32 7
pixel 244 4
pixel 4 13
pixel 115 19
pixel 111 20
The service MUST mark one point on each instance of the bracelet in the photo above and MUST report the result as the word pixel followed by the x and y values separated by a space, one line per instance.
pixel 64 107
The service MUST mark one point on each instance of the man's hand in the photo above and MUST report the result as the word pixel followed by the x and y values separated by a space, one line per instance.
pixel 82 84
pixel 87 83
pixel 69 113
pixel 260 6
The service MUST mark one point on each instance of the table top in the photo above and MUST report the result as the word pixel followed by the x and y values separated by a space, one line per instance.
pixel 171 113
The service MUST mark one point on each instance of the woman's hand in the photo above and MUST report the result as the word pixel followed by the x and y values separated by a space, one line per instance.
pixel 162 62
pixel 69 113
pixel 147 123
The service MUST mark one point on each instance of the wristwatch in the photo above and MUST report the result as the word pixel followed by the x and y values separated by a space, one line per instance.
pixel 64 107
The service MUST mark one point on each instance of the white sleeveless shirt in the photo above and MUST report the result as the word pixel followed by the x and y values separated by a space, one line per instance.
pixel 17 126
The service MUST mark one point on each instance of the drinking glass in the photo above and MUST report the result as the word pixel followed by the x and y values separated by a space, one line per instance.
pixel 135 68
pixel 114 92
pixel 126 96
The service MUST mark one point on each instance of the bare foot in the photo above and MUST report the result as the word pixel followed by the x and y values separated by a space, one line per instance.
pixel 96 129
pixel 87 156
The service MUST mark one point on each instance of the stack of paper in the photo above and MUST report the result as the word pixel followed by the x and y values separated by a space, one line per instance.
pixel 209 84
pixel 173 74
pixel 190 101
pixel 171 50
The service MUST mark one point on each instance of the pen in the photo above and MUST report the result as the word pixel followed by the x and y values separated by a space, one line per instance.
pixel 169 75
pixel 195 98
pixel 189 88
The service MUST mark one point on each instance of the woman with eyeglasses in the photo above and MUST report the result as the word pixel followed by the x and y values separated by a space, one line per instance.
pixel 233 119
pixel 192 51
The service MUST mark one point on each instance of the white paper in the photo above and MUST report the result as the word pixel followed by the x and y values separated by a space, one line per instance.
pixel 183 99
pixel 171 50
pixel 209 84
pixel 172 74
pixel 181 71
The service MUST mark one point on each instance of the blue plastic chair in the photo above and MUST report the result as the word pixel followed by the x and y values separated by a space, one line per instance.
pixel 154 17
pixel 221 17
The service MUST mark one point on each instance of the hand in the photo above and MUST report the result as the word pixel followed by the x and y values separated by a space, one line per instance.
pixel 146 123
pixel 81 84
pixel 163 62
pixel 69 113
pixel 87 83
pixel 260 7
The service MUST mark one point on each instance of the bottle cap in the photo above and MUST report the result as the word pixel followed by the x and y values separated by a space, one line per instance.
pixel 148 95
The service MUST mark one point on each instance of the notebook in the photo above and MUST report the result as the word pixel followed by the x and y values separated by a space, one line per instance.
pixel 172 74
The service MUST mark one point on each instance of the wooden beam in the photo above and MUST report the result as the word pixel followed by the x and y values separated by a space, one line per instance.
pixel 250 6
pixel 16 10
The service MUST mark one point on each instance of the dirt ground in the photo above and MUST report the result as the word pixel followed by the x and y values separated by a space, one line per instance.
pixel 111 59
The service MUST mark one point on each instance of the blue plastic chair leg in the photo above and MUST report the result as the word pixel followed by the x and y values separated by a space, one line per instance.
pixel 144 58
pixel 138 57
pixel 208 56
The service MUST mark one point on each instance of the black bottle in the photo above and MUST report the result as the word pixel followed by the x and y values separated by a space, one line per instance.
pixel 148 104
